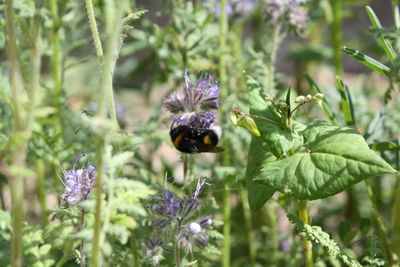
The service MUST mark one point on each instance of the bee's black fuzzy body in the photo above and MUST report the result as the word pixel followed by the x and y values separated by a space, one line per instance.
pixel 194 140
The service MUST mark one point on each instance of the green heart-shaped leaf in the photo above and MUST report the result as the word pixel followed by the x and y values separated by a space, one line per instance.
pixel 332 159
pixel 279 141
pixel 259 156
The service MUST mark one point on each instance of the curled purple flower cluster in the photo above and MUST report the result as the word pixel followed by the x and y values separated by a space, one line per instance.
pixel 287 12
pixel 78 184
pixel 192 106
pixel 175 224
pixel 237 7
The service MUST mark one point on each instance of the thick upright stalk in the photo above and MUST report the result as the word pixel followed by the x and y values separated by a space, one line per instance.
pixel 95 260
pixel 185 168
pixel 382 232
pixel 336 35
pixel 177 255
pixel 41 190
pixel 105 92
pixel 227 227
pixel 135 252
pixel 223 31
pixel 273 239
pixel 271 54
pixel 249 226
pixel 57 61
pixel 94 30
pixel 99 51
pixel 396 218
pixel 82 248
pixel 19 151
pixel 307 245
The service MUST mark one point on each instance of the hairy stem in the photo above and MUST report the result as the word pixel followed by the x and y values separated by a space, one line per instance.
pixel 105 91
pixel 382 232
pixel 134 247
pixel 396 218
pixel 227 227
pixel 100 54
pixel 273 242
pixel 177 255
pixel 307 245
pixel 57 61
pixel 336 35
pixel 249 226
pixel 19 150
pixel 41 190
pixel 82 248
pixel 223 31
pixel 95 260
pixel 94 30
pixel 185 168
pixel 274 44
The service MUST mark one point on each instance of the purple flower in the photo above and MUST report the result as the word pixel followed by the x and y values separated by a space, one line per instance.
pixel 168 204
pixel 236 7
pixel 175 223
pixel 192 105
pixel 287 12
pixel 78 184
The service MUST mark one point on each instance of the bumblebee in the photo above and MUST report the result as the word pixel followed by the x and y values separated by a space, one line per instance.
pixel 194 140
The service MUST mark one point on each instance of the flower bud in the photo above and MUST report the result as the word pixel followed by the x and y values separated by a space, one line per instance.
pixel 205 221
pixel 319 95
pixel 202 240
pixel 300 99
pixel 234 119
pixel 250 125
pixel 318 101
pixel 194 228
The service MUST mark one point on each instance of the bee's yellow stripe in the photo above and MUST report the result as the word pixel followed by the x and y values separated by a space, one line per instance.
pixel 207 140
pixel 178 139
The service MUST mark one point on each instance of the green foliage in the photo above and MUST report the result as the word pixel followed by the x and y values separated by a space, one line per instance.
pixel 332 159
pixel 317 235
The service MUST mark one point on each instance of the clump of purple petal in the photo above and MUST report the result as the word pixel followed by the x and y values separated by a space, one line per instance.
pixel 175 223
pixel 192 106
pixel 288 13
pixel 168 204
pixel 236 7
pixel 78 184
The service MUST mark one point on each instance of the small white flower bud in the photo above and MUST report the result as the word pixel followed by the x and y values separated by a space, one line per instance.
pixel 194 228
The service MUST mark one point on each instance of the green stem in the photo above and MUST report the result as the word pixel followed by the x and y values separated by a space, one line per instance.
pixel 227 227
pixel 274 42
pixel 177 255
pixel 95 260
pixel 56 57
pixel 336 35
pixel 185 168
pixel 66 255
pixel 273 241
pixel 82 248
pixel 249 226
pixel 223 31
pixel 94 30
pixel 396 218
pixel 307 245
pixel 382 232
pixel 41 190
pixel 105 91
pixel 135 252
pixel 100 54
pixel 18 153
